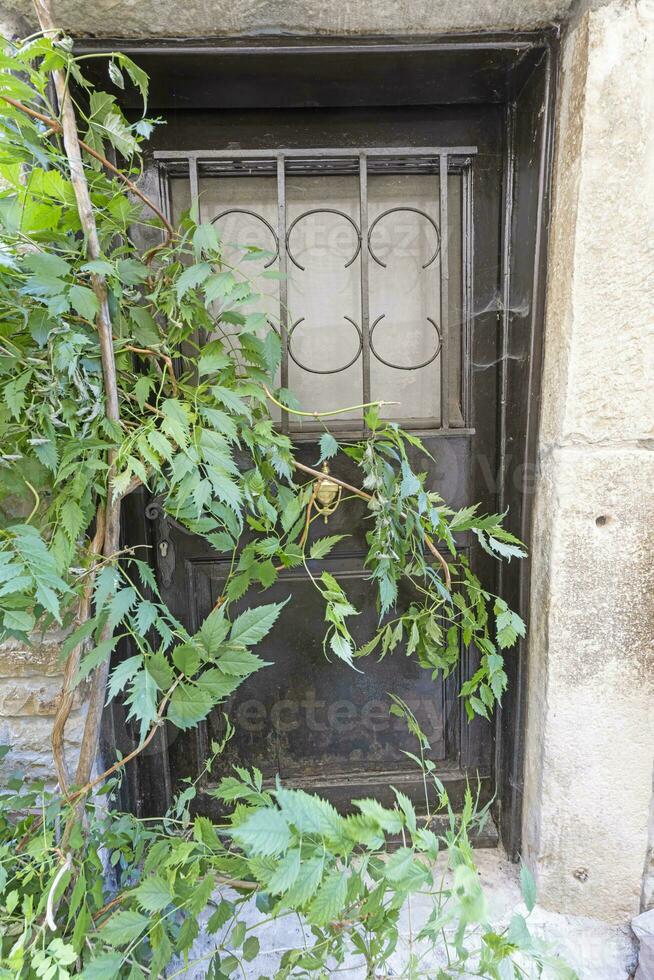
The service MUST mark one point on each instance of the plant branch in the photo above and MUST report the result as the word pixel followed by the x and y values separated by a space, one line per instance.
pixel 147 352
pixel 37 501
pixel 333 479
pixel 68 128
pixel 72 663
pixel 323 415
pixel 57 127
pixel 120 763
pixel 77 796
pixel 367 496
pixel 307 523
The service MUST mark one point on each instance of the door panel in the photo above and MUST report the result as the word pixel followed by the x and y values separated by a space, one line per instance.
pixel 311 715
pixel 317 722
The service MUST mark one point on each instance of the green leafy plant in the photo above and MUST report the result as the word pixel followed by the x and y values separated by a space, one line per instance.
pixel 123 368
pixel 281 855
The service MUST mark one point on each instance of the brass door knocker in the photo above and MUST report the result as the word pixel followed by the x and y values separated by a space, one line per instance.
pixel 328 495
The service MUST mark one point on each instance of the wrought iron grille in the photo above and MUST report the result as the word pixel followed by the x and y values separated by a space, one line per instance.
pixel 364 230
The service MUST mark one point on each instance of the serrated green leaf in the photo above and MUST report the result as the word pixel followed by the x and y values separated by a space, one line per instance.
pixel 205 238
pixel 72 518
pixel 213 631
pixel 153 894
pixel 94 658
pixel 239 662
pixel 84 301
pixel 405 871
pixel 160 444
pixel 158 666
pixel 328 447
pixel 329 901
pixel 188 705
pixel 123 928
pixel 342 648
pixel 145 615
pixel 192 277
pixel 142 700
pixel 186 658
pixel 137 75
pixel 116 75
pixel 115 129
pixel 142 389
pixel 323 546
pixel 120 605
pixel 286 873
pixel 407 808
pixel 507 551
pixel 305 885
pixel 104 967
pixel 388 820
pixel 220 917
pixel 218 684
pixel 47 264
pixel 252 625
pixel 265 833
pixel 122 673
pixel 309 814
pixel 212 361
pixel 218 286
pixel 18 620
pixel 518 932
pixel 251 948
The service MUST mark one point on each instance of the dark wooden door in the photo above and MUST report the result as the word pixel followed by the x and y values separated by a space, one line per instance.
pixel 360 192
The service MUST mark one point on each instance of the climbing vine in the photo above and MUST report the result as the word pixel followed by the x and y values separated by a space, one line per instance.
pixel 123 368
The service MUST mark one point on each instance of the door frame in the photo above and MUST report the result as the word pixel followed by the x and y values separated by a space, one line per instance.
pixel 517 71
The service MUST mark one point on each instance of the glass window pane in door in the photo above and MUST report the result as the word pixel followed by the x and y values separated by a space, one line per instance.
pixel 324 296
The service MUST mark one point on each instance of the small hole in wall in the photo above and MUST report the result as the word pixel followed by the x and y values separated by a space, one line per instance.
pixel 602 520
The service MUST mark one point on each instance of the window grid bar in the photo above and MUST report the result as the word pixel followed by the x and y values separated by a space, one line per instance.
pixel 364 276
pixel 330 151
pixel 283 282
pixel 195 208
pixel 445 279
pixel 165 195
pixel 193 180
pixel 466 311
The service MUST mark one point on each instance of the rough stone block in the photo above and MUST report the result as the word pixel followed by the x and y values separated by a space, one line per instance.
pixel 196 18
pixel 591 682
pixel 33 696
pixel 29 738
pixel 599 375
pixel 38 660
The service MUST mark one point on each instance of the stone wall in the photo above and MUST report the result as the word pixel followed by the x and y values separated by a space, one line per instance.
pixel 591 667
pixel 30 682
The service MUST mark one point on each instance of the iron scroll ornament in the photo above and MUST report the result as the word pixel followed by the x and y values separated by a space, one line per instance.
pixel 305 214
pixel 406 367
pixel 311 370
pixel 253 214
pixel 414 211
